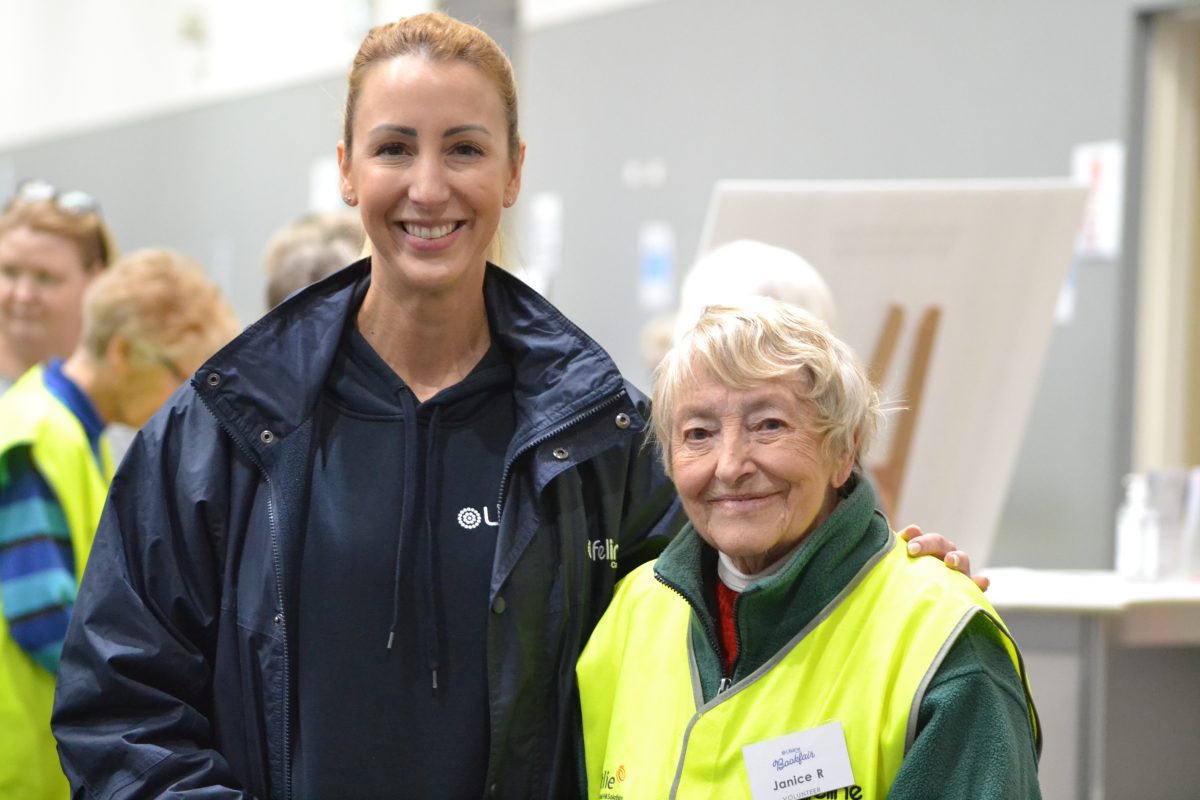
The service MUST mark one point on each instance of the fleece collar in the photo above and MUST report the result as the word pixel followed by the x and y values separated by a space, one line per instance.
pixel 772 610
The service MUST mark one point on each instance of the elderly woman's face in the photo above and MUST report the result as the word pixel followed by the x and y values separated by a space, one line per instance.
pixel 749 469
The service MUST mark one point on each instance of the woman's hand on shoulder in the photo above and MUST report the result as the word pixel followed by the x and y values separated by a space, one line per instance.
pixel 934 544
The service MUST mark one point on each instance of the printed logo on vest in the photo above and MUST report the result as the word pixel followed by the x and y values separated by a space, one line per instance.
pixel 602 550
pixel 470 518
pixel 610 781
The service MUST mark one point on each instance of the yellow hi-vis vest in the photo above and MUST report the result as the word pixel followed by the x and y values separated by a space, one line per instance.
pixel 864 662
pixel 31 416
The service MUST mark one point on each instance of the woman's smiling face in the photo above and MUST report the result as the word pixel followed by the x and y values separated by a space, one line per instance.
pixel 430 171
pixel 752 475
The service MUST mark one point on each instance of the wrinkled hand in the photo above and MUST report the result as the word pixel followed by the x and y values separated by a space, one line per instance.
pixel 934 544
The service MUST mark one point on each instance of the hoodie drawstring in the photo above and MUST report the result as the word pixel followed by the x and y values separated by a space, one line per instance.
pixel 433 617
pixel 408 502
pixel 427 569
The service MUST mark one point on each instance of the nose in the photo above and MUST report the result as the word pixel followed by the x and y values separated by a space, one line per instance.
pixel 734 460
pixel 429 187
pixel 24 287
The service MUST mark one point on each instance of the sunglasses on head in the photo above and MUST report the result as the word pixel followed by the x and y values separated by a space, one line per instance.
pixel 73 201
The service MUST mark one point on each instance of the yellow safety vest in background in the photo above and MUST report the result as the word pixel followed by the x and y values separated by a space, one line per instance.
pixel 648 735
pixel 31 416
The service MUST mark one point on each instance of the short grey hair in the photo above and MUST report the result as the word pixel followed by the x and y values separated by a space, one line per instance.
pixel 748 268
pixel 308 249
pixel 761 339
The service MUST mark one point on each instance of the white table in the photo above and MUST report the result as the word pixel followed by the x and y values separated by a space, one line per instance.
pixel 1115 670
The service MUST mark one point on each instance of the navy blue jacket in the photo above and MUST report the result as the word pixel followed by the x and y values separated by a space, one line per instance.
pixel 176 673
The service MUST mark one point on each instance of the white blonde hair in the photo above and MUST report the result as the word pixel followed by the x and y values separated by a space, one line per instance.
pixel 762 339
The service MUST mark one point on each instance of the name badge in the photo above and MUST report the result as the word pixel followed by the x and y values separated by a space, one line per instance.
pixel 799 765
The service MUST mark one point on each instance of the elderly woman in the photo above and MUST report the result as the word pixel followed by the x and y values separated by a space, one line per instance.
pixel 147 322
pixel 783 645
pixel 52 245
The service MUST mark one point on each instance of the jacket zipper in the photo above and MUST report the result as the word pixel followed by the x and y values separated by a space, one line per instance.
pixel 287 688
pixel 287 713
pixel 550 434
pixel 726 680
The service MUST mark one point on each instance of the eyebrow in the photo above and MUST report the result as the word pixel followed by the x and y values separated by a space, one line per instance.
pixel 756 405
pixel 404 130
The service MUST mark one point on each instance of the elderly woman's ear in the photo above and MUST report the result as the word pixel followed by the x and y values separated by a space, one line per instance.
pixel 843 468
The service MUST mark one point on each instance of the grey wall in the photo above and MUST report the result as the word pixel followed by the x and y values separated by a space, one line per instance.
pixel 804 89
pixel 214 182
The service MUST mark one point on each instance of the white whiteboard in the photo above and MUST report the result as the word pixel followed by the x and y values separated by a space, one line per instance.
pixel 991 254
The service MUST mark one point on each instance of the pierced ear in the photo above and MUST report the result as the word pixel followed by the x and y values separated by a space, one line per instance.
pixel 513 188
pixel 344 184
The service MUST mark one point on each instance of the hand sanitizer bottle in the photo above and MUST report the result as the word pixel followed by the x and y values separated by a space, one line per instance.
pixel 1137 532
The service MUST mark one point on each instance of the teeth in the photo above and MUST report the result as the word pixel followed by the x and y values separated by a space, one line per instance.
pixel 426 232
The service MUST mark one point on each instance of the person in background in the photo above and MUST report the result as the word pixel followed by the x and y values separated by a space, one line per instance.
pixel 748 268
pixel 308 249
pixel 52 245
pixel 784 643
pixel 360 555
pixel 148 322
pixel 732 271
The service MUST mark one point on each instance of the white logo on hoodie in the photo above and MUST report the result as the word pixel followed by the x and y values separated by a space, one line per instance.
pixel 469 518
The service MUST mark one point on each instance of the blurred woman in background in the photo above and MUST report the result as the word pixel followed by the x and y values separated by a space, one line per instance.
pixel 52 245
pixel 308 249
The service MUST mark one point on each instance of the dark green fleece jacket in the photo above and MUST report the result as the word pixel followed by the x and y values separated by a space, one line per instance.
pixel 974 738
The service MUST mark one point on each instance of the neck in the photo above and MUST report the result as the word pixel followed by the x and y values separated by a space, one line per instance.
pixel 86 374
pixel 17 357
pixel 431 342
pixel 12 365
pixel 735 577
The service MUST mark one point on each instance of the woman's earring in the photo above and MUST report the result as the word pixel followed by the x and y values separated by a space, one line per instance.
pixel 350 200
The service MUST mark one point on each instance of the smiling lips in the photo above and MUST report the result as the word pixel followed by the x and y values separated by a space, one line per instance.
pixel 741 503
pixel 430 231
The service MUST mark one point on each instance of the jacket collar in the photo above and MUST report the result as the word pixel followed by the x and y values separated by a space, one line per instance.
pixel 265 383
